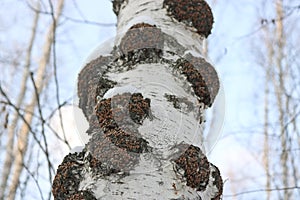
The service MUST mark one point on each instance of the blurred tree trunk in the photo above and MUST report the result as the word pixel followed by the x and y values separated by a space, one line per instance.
pixel 9 157
pixel 266 153
pixel 23 135
pixel 280 90
pixel 280 93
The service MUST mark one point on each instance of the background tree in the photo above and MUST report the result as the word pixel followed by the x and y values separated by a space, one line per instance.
pixel 23 112
pixel 278 61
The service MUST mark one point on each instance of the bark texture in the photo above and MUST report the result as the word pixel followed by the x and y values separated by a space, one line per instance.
pixel 145 101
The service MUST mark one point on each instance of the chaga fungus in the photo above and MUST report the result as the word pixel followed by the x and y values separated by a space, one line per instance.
pixel 82 195
pixel 108 158
pixel 122 109
pixel 218 182
pixel 90 84
pixel 142 36
pixel 139 108
pixel 68 176
pixel 195 167
pixel 115 148
pixel 202 76
pixel 119 118
pixel 194 13
pixel 210 80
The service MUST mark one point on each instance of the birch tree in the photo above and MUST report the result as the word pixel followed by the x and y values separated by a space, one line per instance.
pixel 145 97
pixel 277 57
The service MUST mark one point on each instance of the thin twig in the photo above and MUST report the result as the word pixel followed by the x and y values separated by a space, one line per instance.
pixel 81 21
pixel 263 190
pixel 24 120
pixel 35 180
pixel 43 126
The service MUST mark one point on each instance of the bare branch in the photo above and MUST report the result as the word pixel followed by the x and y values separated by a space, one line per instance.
pixel 263 190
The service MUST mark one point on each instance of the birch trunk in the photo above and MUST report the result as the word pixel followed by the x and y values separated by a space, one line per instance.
pixel 23 135
pixel 145 101
pixel 266 110
pixel 280 90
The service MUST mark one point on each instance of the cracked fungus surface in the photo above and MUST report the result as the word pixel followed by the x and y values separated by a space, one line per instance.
pixel 141 36
pixel 116 142
pixel 202 76
pixel 82 195
pixel 92 83
pixel 193 13
pixel 194 166
pixel 68 176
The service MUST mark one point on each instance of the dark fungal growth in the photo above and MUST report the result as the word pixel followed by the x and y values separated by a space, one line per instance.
pixel 180 103
pixel 82 195
pixel 91 84
pixel 142 43
pixel 103 86
pixel 193 13
pixel 202 76
pixel 139 108
pixel 68 176
pixel 210 78
pixel 119 118
pixel 126 109
pixel 142 25
pixel 107 158
pixel 195 167
pixel 218 182
pixel 141 36
pixel 116 144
